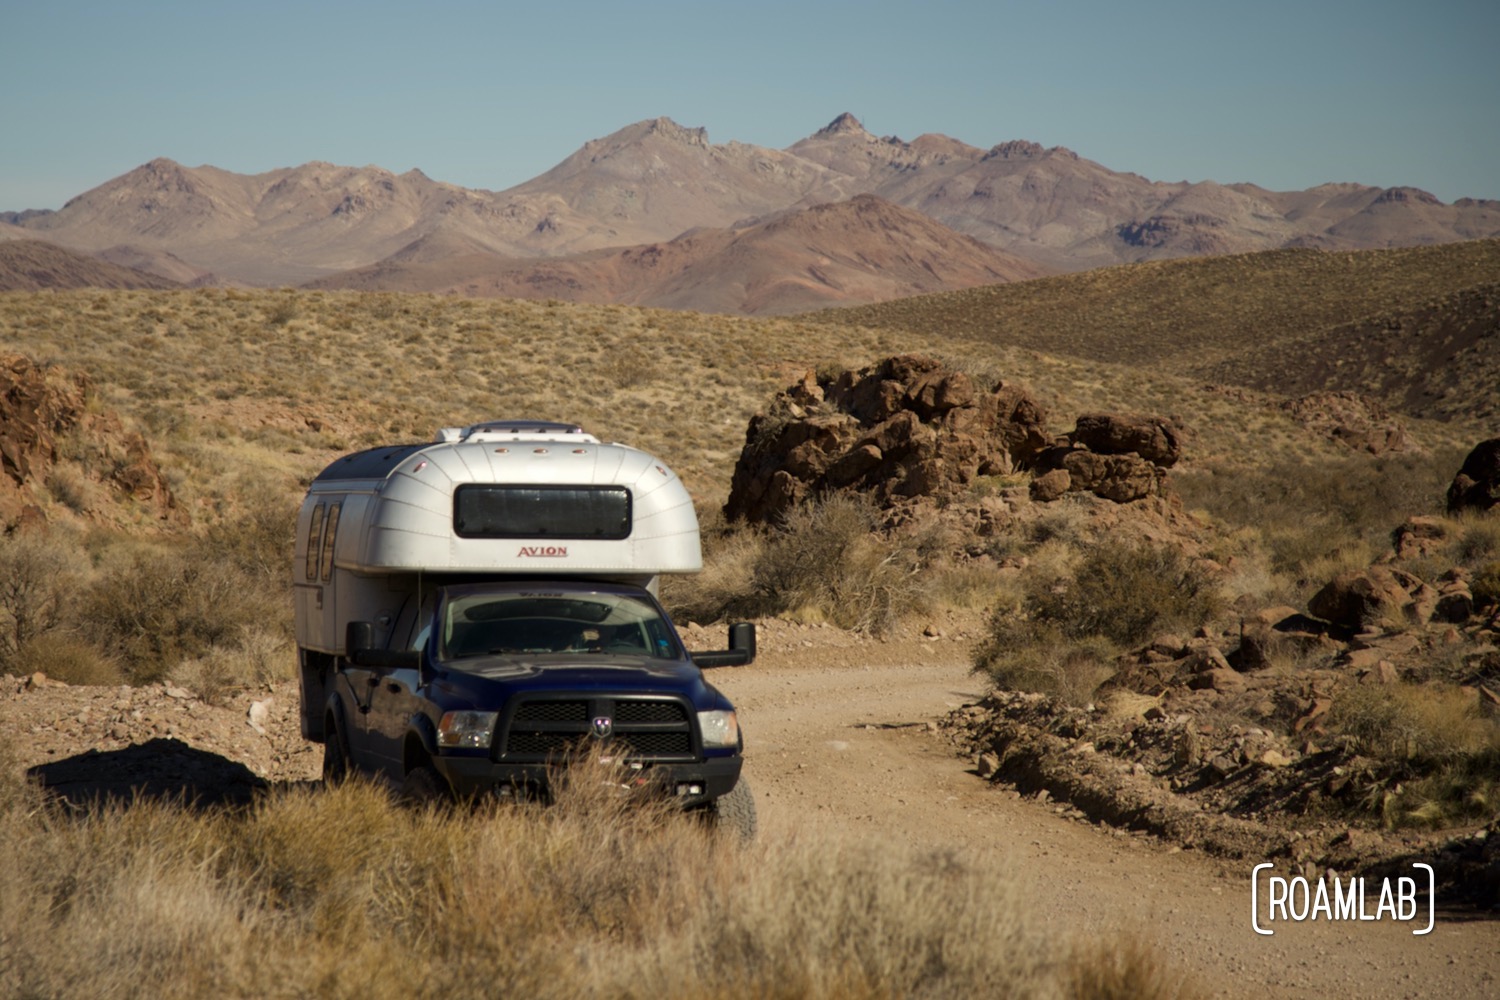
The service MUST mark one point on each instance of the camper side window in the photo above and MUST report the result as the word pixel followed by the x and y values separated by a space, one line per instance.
pixel 314 542
pixel 329 534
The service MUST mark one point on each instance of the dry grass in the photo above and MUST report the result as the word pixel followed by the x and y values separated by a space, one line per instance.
pixel 1436 755
pixel 1192 315
pixel 244 395
pixel 340 893
pixel 1075 609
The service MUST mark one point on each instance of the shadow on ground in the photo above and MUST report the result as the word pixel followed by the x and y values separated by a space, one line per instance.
pixel 165 770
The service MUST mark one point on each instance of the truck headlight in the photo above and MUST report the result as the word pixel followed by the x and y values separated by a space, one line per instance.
pixel 471 730
pixel 720 729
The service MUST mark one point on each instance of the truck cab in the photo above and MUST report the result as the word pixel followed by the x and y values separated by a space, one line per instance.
pixel 474 610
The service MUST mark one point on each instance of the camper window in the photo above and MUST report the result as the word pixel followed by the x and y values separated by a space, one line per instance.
pixel 483 510
pixel 314 542
pixel 330 532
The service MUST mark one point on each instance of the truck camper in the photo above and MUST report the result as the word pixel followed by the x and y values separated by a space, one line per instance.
pixel 471 611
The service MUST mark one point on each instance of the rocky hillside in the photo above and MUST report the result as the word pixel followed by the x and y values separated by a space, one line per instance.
pixel 1415 327
pixel 861 250
pixel 28 265
pixel 652 181
pixel 55 442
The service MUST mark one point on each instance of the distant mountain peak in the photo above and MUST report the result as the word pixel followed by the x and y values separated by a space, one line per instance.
pixel 844 124
pixel 668 129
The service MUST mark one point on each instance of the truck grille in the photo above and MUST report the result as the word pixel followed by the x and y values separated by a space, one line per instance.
pixel 645 729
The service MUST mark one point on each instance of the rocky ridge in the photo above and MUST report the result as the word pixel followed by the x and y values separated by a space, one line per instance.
pixel 53 440
pixel 654 180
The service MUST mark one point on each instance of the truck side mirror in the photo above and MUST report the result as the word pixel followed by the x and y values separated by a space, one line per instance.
pixel 359 642
pixel 358 637
pixel 740 652
pixel 742 638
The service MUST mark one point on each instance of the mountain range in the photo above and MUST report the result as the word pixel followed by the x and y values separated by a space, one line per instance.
pixel 656 214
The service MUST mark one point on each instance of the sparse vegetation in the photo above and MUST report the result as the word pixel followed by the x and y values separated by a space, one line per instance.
pixel 1287 308
pixel 1071 616
pixel 244 395
pixel 342 893
pixel 1435 759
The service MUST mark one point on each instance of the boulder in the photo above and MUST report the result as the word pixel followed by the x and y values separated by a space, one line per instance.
pixel 1378 596
pixel 1121 478
pixel 1421 535
pixel 1050 486
pixel 1156 439
pixel 905 428
pixel 1477 484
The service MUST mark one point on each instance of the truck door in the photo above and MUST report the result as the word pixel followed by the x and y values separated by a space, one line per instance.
pixel 394 697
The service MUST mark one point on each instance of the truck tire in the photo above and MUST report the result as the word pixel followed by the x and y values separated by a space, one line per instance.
pixel 335 756
pixel 423 786
pixel 735 812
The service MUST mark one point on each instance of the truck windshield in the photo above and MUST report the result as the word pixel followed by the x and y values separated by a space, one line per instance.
pixel 529 623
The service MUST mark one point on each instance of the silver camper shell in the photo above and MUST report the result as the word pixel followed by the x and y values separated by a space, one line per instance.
pixel 503 498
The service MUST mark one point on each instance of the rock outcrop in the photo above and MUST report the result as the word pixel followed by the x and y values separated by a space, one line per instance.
pixel 908 428
pixel 902 428
pixel 45 419
pixel 1120 458
pixel 1477 485
pixel 1351 419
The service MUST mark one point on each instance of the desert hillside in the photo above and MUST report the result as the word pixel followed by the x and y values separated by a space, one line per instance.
pixel 27 265
pixel 1415 327
pixel 1081 565
pixel 653 181
pixel 861 250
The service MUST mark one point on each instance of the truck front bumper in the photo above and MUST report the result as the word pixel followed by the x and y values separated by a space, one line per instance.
pixel 691 782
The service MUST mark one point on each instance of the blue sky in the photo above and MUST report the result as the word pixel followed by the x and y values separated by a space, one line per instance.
pixel 1282 94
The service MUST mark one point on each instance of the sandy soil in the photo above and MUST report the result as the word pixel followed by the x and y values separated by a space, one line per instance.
pixel 841 738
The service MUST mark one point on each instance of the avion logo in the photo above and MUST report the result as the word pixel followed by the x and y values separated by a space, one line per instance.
pixel 543 552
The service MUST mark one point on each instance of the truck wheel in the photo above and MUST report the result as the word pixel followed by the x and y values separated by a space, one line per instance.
pixel 335 757
pixel 423 786
pixel 735 812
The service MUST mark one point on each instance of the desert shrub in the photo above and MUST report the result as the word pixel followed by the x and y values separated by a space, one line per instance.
pixel 1416 724
pixel 67 658
pixel 824 562
pixel 1059 635
pixel 629 367
pixel 1478 539
pixel 723 589
pixel 260 657
pixel 341 893
pixel 1127 592
pixel 37 574
pixel 1485 585
pixel 154 607
pixel 1126 968
pixel 1436 758
pixel 72 488
pixel 1023 654
pixel 1310 512
pixel 257 531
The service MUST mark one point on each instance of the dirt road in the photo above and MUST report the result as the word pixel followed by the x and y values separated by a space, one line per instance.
pixel 839 740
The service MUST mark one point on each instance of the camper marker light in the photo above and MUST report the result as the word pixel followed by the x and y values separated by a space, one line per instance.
pixel 720 729
pixel 468 730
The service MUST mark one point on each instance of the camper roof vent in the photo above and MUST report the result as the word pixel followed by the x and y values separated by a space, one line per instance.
pixel 515 430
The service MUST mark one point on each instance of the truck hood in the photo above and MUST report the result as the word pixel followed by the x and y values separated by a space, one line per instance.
pixel 606 669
